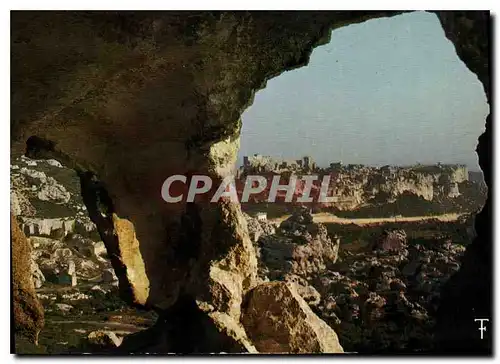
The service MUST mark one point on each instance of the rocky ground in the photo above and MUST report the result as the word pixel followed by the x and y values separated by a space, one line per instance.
pixel 66 248
pixel 72 274
pixel 84 320
pixel 379 297
pixel 379 293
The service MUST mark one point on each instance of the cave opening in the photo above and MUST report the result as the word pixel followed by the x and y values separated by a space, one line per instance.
pixel 393 115
pixel 181 109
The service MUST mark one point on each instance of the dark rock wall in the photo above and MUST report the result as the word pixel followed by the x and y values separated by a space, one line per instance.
pixel 468 294
pixel 27 310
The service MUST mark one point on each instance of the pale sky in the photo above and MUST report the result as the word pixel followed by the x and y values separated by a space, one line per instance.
pixel 386 91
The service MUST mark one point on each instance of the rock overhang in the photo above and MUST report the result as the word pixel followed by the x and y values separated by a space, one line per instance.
pixel 136 97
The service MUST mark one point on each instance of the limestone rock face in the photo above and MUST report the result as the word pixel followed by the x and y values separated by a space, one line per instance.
pixel 28 312
pixel 231 264
pixel 48 188
pixel 299 246
pixel 278 320
pixel 233 330
pixel 104 339
pixel 38 277
pixel 57 227
pixel 132 259
pixel 20 205
pixel 304 289
pixel 356 186
pixel 45 198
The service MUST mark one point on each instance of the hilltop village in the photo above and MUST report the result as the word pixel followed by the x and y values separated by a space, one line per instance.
pixel 354 186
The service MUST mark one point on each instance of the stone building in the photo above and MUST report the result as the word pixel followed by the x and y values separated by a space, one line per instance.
pixel 261 216
pixel 453 190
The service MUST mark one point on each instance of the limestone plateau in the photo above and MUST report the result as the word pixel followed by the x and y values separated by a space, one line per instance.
pixel 353 187
pixel 125 99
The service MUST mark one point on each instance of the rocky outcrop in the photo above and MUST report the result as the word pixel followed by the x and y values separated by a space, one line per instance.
pixel 278 320
pixel 103 339
pixel 421 186
pixel 394 240
pixel 354 186
pixel 299 246
pixel 65 246
pixel 295 251
pixel 159 94
pixel 45 198
pixel 128 249
pixel 57 261
pixel 230 267
pixel 257 228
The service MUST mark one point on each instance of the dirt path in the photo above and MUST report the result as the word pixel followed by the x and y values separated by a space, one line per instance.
pixel 324 217
pixel 108 325
pixel 60 288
